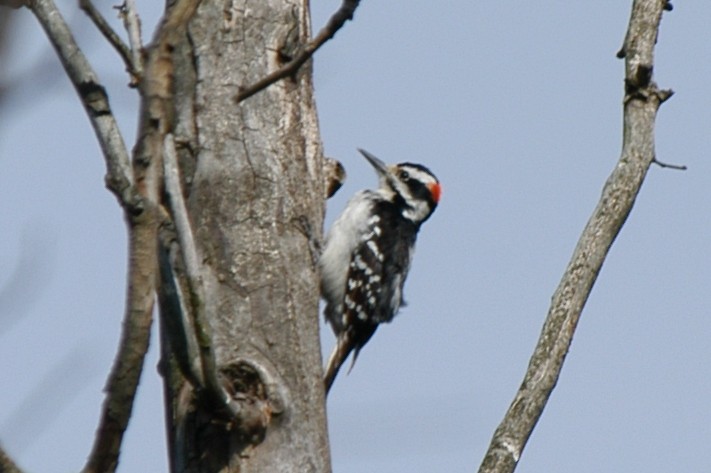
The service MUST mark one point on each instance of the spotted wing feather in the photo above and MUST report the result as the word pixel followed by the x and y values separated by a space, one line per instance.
pixel 376 274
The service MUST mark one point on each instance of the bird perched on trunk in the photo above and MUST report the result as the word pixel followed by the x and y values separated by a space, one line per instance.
pixel 368 253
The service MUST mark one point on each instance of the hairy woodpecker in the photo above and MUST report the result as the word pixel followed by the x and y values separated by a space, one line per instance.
pixel 368 252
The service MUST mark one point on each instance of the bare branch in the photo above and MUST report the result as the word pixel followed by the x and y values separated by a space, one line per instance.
pixel 177 329
pixel 642 100
pixel 119 178
pixel 155 123
pixel 678 167
pixel 6 463
pixel 123 380
pixel 132 23
pixel 184 231
pixel 188 255
pixel 337 20
pixel 114 39
pixel 179 212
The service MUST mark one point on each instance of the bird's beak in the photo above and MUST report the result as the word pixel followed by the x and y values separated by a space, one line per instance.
pixel 380 167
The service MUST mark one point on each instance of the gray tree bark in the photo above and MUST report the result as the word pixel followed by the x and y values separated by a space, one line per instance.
pixel 252 180
pixel 224 201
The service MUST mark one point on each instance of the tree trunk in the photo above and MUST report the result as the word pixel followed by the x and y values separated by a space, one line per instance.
pixel 252 178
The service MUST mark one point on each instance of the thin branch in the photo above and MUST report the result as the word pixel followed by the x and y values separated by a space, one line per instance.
pixel 184 232
pixel 177 330
pixel 188 255
pixel 179 212
pixel 114 39
pixel 132 23
pixel 337 20
pixel 119 177
pixel 6 463
pixel 678 167
pixel 640 107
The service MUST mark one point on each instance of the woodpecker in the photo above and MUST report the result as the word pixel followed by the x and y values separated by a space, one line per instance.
pixel 368 252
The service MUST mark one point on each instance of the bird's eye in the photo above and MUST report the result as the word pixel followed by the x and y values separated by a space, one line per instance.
pixel 404 175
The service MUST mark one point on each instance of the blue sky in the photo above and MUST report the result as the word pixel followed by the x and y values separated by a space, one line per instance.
pixel 516 106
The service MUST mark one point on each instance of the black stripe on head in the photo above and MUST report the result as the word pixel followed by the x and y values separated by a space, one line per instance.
pixel 418 189
pixel 421 168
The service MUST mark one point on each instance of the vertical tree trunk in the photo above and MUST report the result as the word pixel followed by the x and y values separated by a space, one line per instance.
pixel 252 176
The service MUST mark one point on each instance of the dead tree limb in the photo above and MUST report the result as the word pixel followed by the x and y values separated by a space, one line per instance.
pixel 119 178
pixel 335 23
pixel 105 29
pixel 641 102
pixel 136 190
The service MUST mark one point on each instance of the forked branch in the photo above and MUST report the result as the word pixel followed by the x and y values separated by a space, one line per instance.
pixel 140 212
pixel 132 55
pixel 119 177
pixel 111 36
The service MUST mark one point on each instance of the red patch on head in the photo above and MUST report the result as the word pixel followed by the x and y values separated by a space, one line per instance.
pixel 435 190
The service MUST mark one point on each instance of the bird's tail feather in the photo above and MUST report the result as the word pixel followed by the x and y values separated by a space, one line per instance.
pixel 340 352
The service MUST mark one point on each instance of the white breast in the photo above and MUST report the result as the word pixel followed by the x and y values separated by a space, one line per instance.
pixel 343 237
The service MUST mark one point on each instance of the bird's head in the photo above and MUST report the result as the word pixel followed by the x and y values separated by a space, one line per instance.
pixel 413 186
